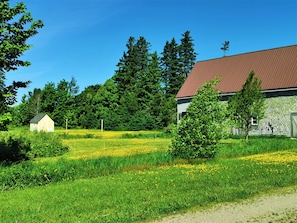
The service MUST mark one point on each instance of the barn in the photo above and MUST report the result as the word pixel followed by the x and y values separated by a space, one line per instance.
pixel 277 68
pixel 42 122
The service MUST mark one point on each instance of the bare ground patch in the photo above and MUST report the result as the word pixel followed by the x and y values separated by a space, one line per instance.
pixel 280 206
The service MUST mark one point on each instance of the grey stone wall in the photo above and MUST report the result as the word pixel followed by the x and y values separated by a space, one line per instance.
pixel 277 120
pixel 277 116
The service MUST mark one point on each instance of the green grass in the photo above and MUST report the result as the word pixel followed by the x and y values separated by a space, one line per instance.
pixel 238 147
pixel 142 195
pixel 28 174
pixel 144 186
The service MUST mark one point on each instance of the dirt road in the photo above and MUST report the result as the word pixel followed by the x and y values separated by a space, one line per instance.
pixel 276 207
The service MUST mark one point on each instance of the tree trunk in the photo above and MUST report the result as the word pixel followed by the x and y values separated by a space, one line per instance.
pixel 246 135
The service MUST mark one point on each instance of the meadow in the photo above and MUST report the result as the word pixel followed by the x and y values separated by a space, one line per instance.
pixel 130 177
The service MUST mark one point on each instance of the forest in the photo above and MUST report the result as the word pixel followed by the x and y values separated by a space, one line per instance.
pixel 139 96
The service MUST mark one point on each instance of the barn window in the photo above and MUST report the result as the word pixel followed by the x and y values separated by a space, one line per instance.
pixel 254 120
pixel 181 115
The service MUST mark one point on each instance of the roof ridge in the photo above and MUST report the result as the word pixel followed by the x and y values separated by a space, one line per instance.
pixel 246 53
pixel 37 117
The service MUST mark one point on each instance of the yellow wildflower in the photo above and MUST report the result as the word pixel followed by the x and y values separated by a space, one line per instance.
pixel 276 157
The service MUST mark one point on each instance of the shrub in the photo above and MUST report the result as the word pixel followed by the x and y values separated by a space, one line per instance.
pixel 170 128
pixel 45 145
pixel 13 149
pixel 203 126
pixel 19 147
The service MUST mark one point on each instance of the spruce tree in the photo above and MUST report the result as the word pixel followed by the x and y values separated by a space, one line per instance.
pixel 131 77
pixel 172 73
pixel 187 53
pixel 125 76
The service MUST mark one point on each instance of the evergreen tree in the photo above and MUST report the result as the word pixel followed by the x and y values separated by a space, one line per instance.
pixel 149 83
pixel 177 62
pixel 172 73
pixel 34 102
pixel 187 53
pixel 144 77
pixel 130 78
pixel 125 75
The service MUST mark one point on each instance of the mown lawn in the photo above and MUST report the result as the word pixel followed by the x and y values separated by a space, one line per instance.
pixel 139 192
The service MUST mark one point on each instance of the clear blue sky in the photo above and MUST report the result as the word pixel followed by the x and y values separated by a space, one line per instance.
pixel 86 39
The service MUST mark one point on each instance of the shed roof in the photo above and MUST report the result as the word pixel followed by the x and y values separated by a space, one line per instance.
pixel 37 118
pixel 276 68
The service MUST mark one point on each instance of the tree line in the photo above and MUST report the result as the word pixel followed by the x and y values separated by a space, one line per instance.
pixel 140 95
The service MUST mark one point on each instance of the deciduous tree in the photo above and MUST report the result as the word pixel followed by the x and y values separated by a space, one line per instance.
pixel 247 104
pixel 16 27
pixel 203 125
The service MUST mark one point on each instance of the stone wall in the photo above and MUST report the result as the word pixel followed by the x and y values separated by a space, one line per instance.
pixel 277 120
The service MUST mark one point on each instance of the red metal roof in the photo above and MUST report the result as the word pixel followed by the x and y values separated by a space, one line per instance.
pixel 276 68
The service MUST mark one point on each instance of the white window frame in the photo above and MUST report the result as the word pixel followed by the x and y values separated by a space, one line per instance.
pixel 254 121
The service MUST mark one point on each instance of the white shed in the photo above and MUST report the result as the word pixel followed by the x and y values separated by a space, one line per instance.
pixel 42 122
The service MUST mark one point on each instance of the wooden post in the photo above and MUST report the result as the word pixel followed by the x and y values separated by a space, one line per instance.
pixel 66 125
pixel 102 125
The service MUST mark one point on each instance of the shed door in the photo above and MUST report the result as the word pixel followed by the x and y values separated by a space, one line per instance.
pixel 294 125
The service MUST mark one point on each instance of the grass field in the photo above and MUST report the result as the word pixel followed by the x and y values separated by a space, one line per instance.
pixel 146 184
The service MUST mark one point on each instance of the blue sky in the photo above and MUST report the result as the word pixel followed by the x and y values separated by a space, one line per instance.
pixel 86 39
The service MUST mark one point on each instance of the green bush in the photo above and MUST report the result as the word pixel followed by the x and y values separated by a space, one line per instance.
pixel 23 146
pixel 45 145
pixel 203 126
pixel 13 149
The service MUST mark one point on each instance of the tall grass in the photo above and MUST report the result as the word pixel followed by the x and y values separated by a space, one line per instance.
pixel 256 145
pixel 123 147
pixel 28 174
pixel 142 195
pixel 128 177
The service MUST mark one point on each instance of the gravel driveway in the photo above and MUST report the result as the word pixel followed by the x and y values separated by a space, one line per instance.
pixel 280 207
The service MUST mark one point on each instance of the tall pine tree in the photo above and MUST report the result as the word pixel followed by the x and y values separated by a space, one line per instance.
pixel 130 79
pixel 172 73
pixel 125 76
pixel 187 54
